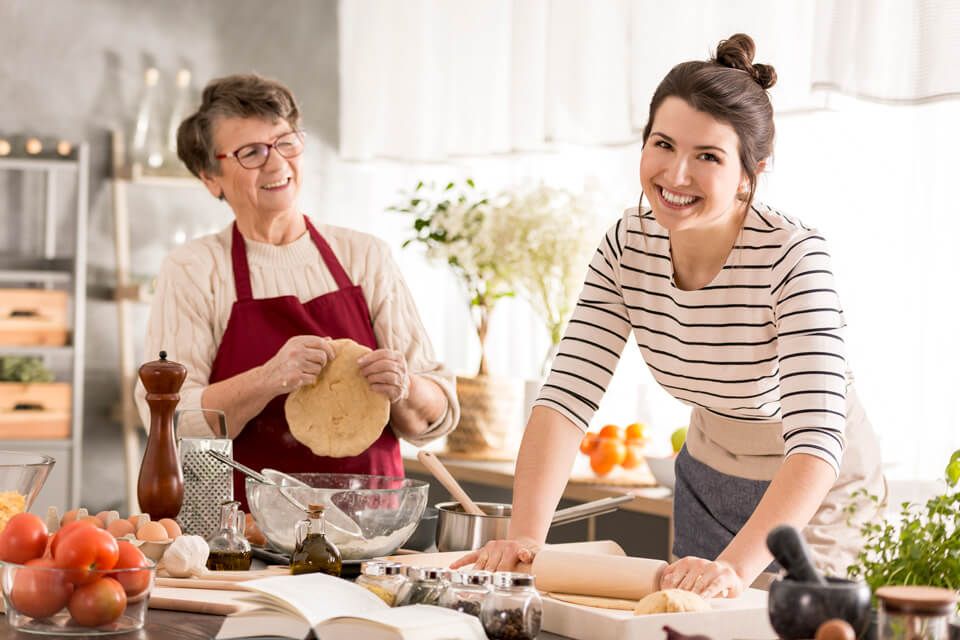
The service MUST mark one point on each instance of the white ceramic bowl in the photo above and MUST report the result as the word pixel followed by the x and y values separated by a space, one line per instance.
pixel 662 469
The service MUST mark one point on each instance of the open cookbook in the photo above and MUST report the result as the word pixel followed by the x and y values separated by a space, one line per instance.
pixel 335 609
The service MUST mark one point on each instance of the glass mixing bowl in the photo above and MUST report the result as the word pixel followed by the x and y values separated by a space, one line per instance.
pixel 22 474
pixel 366 516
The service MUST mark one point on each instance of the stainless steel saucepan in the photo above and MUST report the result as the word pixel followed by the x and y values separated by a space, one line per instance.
pixel 458 530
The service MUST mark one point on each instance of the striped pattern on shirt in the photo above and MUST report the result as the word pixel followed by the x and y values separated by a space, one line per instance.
pixel 762 342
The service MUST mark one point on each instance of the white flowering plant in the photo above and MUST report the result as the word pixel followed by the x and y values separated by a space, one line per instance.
pixel 453 223
pixel 532 241
pixel 554 234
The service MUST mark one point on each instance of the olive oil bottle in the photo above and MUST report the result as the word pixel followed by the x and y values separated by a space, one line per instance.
pixel 314 552
pixel 229 550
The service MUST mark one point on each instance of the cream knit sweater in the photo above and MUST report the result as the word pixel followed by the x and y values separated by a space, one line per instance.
pixel 195 294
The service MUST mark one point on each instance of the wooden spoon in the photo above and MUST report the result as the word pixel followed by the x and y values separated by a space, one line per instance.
pixel 440 472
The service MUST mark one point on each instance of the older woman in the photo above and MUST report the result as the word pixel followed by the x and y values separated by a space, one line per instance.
pixel 251 310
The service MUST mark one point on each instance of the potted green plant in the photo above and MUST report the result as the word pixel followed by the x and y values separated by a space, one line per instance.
pixel 920 546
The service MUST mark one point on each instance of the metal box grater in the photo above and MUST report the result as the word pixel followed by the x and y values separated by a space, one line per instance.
pixel 207 483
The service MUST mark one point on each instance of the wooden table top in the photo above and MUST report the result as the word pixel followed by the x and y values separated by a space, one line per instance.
pixel 169 625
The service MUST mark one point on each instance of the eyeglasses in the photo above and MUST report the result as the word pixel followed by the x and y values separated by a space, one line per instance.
pixel 255 155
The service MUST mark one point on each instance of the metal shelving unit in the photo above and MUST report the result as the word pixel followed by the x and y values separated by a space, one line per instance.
pixel 50 270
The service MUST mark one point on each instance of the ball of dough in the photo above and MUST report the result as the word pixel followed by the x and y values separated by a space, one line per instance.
pixel 670 601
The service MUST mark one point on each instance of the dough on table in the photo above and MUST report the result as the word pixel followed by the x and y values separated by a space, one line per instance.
pixel 339 415
pixel 670 601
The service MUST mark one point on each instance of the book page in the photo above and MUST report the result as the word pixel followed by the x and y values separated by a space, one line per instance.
pixel 417 622
pixel 317 596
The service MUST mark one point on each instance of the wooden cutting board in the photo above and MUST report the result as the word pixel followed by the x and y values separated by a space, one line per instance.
pixel 219 602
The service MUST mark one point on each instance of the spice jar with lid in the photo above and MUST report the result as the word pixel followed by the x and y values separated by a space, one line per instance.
pixel 512 610
pixel 383 578
pixel 915 613
pixel 466 591
pixel 424 586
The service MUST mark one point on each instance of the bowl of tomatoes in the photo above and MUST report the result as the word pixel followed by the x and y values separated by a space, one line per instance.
pixel 78 581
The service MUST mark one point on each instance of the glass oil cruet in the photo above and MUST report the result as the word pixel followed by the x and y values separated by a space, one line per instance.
pixel 314 552
pixel 229 550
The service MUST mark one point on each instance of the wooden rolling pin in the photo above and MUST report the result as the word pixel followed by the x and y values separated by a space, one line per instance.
pixel 587 574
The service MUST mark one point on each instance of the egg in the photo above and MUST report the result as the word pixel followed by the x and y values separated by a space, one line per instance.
pixel 152 532
pixel 173 529
pixel 835 629
pixel 94 520
pixel 102 517
pixel 133 519
pixel 69 516
pixel 120 528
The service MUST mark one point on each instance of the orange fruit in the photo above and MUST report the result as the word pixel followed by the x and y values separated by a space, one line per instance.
pixel 600 465
pixel 633 458
pixel 636 431
pixel 610 449
pixel 589 443
pixel 611 431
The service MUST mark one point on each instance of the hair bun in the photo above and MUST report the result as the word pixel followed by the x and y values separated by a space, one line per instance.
pixel 737 52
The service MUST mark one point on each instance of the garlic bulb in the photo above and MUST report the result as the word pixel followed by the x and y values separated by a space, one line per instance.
pixel 185 557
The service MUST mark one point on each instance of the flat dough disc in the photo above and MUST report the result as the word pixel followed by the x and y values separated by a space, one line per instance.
pixel 593 601
pixel 671 601
pixel 339 415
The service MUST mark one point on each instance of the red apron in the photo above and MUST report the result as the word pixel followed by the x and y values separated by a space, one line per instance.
pixel 256 331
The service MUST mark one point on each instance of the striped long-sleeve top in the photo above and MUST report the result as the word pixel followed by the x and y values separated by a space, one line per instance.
pixel 762 342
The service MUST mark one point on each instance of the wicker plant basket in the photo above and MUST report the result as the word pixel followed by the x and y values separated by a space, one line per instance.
pixel 489 408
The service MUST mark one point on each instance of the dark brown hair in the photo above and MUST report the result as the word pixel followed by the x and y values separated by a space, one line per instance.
pixel 732 89
pixel 236 96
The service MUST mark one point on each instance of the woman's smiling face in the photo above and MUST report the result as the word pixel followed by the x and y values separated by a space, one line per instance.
pixel 690 167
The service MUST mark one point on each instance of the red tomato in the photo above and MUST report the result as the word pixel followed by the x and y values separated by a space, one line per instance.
pixel 98 603
pixel 40 593
pixel 24 538
pixel 86 549
pixel 65 531
pixel 135 583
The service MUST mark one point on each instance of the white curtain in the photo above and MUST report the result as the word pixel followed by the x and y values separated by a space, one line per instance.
pixel 889 50
pixel 427 80
pixel 553 89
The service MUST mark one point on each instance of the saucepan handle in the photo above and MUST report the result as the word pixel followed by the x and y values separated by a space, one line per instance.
pixel 589 509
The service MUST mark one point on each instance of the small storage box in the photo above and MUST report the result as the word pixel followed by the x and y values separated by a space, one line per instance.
pixel 35 411
pixel 31 317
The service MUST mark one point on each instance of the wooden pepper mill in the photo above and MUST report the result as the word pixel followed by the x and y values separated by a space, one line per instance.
pixel 160 486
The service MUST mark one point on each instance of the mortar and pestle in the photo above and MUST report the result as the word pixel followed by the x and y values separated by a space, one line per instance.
pixel 802 600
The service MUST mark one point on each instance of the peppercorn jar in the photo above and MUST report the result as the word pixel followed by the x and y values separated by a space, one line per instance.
pixel 424 586
pixel 915 612
pixel 467 591
pixel 383 578
pixel 512 610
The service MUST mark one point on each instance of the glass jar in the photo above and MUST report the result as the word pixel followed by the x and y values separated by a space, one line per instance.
pixel 467 591
pixel 314 552
pixel 383 578
pixel 229 550
pixel 424 586
pixel 915 613
pixel 512 610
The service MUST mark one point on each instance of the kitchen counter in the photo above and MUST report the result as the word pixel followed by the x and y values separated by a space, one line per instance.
pixel 643 527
